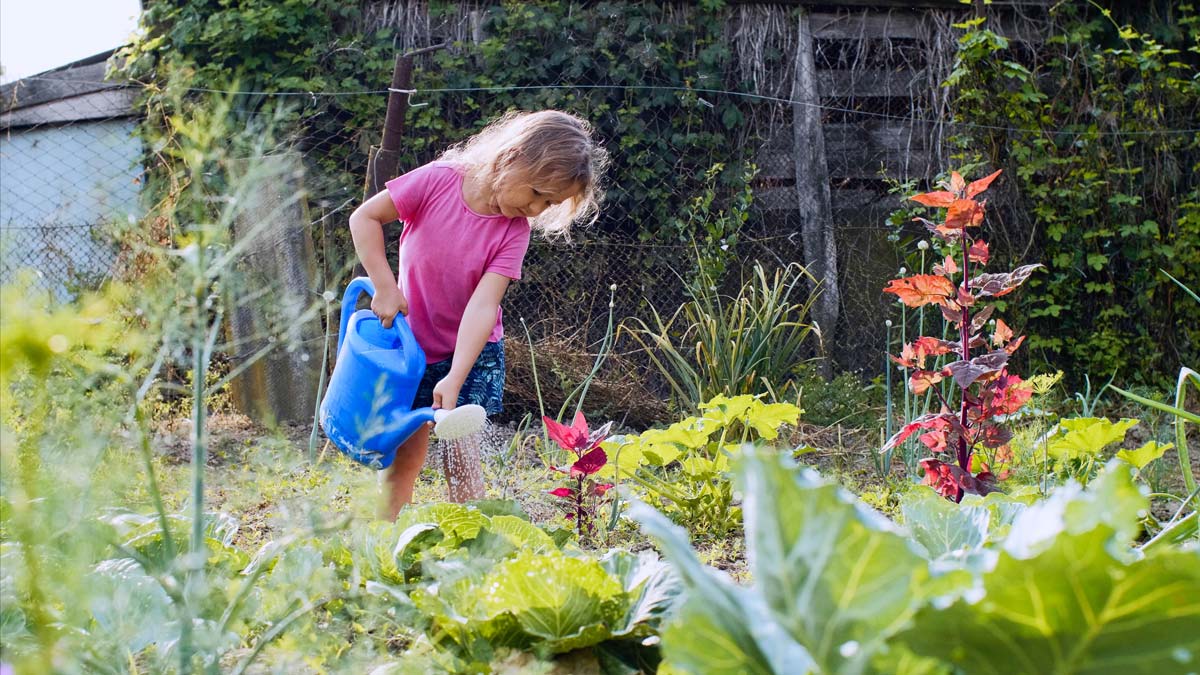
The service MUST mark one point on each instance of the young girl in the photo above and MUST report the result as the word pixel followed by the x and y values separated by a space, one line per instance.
pixel 467 219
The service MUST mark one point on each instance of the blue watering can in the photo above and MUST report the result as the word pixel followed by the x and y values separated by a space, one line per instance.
pixel 367 408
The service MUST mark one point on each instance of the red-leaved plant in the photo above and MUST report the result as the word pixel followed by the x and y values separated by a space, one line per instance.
pixel 582 496
pixel 988 390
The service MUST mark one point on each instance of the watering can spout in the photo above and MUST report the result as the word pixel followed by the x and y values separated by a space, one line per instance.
pixel 449 425
pixel 406 423
pixel 379 450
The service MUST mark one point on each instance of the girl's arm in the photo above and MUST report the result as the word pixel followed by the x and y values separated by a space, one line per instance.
pixel 366 228
pixel 479 318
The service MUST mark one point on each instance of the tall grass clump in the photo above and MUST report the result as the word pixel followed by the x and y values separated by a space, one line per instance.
pixel 715 344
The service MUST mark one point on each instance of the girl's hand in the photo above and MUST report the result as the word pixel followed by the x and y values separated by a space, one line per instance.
pixel 445 393
pixel 387 303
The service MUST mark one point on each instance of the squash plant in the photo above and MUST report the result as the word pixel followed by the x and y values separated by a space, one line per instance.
pixel 684 469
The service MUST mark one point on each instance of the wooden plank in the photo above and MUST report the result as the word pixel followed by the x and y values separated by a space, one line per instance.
pixel 106 104
pixel 865 150
pixel 54 85
pixel 902 25
pixel 859 25
pixel 272 227
pixel 900 4
pixel 869 83
pixel 812 189
pixel 875 4
pixel 848 200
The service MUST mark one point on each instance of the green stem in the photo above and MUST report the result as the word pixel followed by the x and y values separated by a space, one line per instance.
pixel 196 547
pixel 1179 531
pixel 275 631
pixel 601 355
pixel 964 457
pixel 155 493
pixel 312 437
pixel 28 461
pixel 536 386
pixel 1181 416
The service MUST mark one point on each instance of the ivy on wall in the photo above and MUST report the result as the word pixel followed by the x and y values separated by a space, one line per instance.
pixel 1106 186
pixel 664 142
pixel 1103 197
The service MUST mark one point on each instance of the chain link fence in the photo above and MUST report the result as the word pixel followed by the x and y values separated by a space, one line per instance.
pixel 59 186
pixel 66 177
pixel 68 185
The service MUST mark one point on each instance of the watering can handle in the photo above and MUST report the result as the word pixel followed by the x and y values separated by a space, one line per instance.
pixel 408 341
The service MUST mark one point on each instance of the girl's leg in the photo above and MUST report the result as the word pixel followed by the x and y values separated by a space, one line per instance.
pixel 464 469
pixel 397 480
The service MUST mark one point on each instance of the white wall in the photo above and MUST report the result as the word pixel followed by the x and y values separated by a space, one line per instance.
pixel 59 186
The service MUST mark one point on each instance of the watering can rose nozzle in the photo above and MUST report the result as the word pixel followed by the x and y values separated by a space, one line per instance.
pixel 465 420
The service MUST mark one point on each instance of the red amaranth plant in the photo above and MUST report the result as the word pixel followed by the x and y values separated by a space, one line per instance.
pixel 987 389
pixel 583 495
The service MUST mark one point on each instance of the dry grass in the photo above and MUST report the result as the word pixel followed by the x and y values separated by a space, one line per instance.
pixel 619 391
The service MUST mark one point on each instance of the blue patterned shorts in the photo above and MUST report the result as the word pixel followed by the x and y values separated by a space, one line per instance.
pixel 484 385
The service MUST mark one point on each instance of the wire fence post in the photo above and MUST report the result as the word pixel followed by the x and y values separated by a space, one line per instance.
pixel 384 161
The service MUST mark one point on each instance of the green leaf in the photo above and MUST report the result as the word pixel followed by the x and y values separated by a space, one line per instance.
pixel 942 526
pixel 724 410
pixel 458 522
pixel 767 418
pixel 521 533
pixel 650 584
pixel 702 468
pixel 1073 608
pixel 129 607
pixel 720 629
pixel 1144 455
pixel 1111 501
pixel 566 602
pixel 624 454
pixel 839 578
pixel 690 433
pixel 1086 436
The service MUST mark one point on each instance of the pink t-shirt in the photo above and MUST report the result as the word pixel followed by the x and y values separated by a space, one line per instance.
pixel 445 249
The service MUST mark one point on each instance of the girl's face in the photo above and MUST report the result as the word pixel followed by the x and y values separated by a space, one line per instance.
pixel 518 194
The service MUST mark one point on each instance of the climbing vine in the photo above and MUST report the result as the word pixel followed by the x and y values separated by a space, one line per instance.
pixel 1097 130
pixel 665 142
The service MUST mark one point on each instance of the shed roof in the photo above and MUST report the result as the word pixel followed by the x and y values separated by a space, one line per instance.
pixel 73 92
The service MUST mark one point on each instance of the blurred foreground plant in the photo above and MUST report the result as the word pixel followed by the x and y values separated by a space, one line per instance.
pixel 109 353
pixel 837 588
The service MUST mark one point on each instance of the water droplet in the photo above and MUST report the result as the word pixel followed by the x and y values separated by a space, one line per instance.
pixel 848 649
pixel 58 343
pixel 1182 654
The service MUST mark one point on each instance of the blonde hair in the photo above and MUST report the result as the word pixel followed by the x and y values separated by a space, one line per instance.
pixel 555 149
